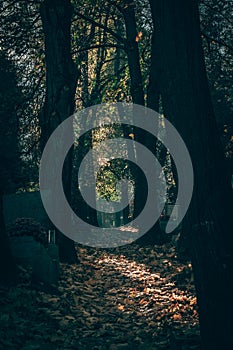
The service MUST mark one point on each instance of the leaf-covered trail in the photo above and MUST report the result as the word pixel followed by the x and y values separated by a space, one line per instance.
pixel 118 299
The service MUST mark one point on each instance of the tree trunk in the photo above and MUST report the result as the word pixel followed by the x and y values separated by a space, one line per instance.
pixel 61 79
pixel 8 268
pixel 186 100
pixel 133 53
pixel 136 88
pixel 153 236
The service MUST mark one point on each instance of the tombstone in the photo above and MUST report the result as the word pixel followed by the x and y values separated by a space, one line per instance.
pixel 45 267
pixel 25 249
pixel 25 205
pixel 43 260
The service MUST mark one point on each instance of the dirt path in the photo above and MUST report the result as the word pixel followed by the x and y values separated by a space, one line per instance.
pixel 118 299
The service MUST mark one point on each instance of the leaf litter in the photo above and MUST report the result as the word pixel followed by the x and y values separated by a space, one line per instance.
pixel 128 297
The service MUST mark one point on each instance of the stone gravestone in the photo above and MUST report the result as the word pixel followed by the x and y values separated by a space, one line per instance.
pixel 27 251
pixel 25 205
pixel 43 260
pixel 45 267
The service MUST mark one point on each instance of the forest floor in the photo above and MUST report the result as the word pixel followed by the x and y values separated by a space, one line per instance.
pixel 131 297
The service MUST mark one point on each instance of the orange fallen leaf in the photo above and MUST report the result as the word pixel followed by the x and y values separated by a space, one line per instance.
pixel 177 317
pixel 120 307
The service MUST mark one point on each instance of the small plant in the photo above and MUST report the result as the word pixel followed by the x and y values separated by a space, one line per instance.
pixel 27 227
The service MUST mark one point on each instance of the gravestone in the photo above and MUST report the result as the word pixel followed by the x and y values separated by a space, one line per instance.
pixel 25 205
pixel 43 260
pixel 45 267
pixel 25 249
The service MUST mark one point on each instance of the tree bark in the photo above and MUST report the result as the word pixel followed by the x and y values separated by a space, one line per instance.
pixel 186 100
pixel 8 268
pixel 61 79
pixel 131 46
pixel 154 235
pixel 10 96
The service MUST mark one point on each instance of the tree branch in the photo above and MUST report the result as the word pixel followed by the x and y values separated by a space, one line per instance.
pixel 220 13
pixel 220 42
pixel 97 47
pixel 97 24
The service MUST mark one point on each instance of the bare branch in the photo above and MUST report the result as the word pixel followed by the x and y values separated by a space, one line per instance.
pixel 218 41
pixel 97 47
pixel 102 26
pixel 215 10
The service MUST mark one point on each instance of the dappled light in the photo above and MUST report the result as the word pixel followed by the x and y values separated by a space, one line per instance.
pixel 112 300
pixel 131 302
pixel 116 154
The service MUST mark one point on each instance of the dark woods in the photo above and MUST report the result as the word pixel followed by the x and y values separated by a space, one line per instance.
pixel 175 57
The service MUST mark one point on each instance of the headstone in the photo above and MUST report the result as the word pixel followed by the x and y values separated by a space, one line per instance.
pixel 25 205
pixel 44 261
pixel 46 266
pixel 25 249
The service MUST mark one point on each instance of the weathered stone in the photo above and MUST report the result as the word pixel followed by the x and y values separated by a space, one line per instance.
pixel 25 249
pixel 44 261
pixel 25 205
pixel 46 266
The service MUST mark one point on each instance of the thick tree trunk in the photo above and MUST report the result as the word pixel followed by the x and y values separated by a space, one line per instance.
pixel 154 235
pixel 153 93
pixel 8 268
pixel 61 79
pixel 136 88
pixel 185 94
pixel 133 53
pixel 10 96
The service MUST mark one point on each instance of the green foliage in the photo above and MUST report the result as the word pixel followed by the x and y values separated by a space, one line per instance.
pixel 21 40
pixel 100 52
